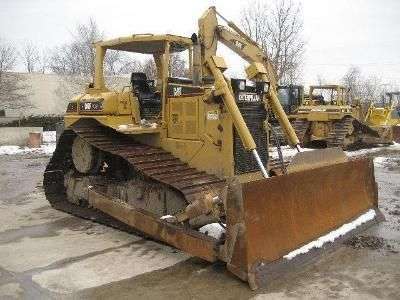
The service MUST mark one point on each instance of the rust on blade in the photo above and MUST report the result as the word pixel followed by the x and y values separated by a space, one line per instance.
pixel 185 239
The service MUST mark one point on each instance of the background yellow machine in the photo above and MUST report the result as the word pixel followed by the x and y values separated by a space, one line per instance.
pixel 171 155
pixel 327 117
pixel 385 116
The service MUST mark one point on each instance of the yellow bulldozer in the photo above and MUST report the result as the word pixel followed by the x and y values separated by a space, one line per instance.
pixel 385 116
pixel 328 117
pixel 176 158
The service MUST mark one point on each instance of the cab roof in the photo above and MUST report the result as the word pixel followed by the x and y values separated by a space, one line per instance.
pixel 327 86
pixel 147 43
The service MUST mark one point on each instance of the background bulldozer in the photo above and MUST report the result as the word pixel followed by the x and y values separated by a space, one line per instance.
pixel 175 158
pixel 327 117
pixel 384 116
pixel 290 97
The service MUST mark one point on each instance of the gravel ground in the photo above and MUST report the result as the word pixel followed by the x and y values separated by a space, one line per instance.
pixel 47 254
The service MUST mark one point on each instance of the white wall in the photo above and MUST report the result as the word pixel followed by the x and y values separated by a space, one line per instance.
pixel 50 93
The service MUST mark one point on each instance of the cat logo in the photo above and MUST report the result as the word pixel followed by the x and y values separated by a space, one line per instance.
pixel 177 91
pixel 247 97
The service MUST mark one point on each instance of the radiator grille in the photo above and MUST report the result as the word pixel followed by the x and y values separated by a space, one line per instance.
pixel 254 115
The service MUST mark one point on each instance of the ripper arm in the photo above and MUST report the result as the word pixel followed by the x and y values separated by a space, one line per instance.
pixel 260 65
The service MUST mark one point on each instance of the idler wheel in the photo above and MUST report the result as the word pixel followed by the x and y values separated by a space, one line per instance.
pixel 86 158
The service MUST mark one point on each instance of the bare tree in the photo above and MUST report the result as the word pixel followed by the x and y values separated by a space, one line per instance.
pixel 75 60
pixel 177 66
pixel 14 92
pixel 61 61
pixel 77 57
pixel 352 80
pixel 43 61
pixel 119 62
pixel 13 87
pixel 321 79
pixel 129 64
pixel 278 28
pixel 371 88
pixel 113 60
pixel 8 57
pixel 149 68
pixel 30 56
pixel 364 89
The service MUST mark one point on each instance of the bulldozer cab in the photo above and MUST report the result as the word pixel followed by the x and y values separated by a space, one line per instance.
pixel 328 95
pixel 290 97
pixel 392 99
pixel 149 88
pixel 384 112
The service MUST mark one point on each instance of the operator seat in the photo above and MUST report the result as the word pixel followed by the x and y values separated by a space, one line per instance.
pixel 149 100
pixel 319 99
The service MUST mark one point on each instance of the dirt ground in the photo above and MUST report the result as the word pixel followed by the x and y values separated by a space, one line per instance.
pixel 47 254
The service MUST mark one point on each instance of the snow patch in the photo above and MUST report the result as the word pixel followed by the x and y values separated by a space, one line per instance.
pixel 49 136
pixel 46 149
pixel 379 161
pixel 395 146
pixel 331 236
pixel 287 151
pixel 166 217
pixel 362 152
pixel 214 230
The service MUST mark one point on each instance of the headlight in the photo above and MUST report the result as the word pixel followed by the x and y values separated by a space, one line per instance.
pixel 242 85
pixel 238 85
pixel 72 107
pixel 266 87
pixel 262 87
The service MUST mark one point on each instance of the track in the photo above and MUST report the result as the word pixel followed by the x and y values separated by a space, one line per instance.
pixel 299 126
pixel 151 163
pixel 336 138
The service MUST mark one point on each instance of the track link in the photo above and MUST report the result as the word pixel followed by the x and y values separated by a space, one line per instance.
pixel 336 138
pixel 278 135
pixel 300 127
pixel 152 163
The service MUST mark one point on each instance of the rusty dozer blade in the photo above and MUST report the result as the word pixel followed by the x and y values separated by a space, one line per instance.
pixel 269 218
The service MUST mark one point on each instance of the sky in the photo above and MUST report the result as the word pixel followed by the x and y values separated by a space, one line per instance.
pixel 338 34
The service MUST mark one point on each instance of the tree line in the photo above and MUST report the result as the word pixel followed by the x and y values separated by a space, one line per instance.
pixel 74 60
pixel 77 56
